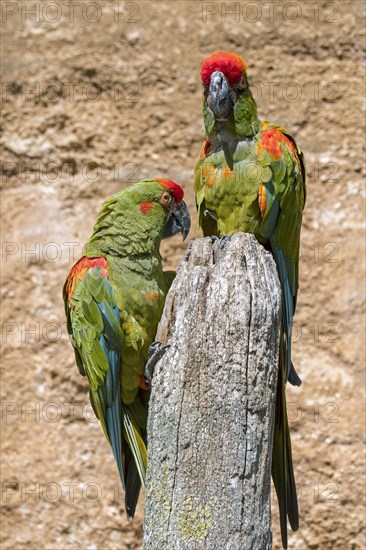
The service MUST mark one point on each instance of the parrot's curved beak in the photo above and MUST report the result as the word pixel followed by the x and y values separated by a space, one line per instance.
pixel 220 98
pixel 179 221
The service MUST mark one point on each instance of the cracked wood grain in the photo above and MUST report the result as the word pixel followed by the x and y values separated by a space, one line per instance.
pixel 212 403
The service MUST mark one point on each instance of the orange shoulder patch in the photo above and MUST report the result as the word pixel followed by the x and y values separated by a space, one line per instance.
pixel 78 271
pixel 271 140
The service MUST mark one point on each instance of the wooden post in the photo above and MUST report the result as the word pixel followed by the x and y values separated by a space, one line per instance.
pixel 212 404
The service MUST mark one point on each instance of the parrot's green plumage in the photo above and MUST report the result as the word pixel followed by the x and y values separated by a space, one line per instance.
pixel 250 177
pixel 114 297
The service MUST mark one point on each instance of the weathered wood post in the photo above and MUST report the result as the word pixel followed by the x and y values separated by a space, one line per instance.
pixel 212 404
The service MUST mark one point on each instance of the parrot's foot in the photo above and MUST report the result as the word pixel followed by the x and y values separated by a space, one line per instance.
pixel 224 240
pixel 293 377
pixel 155 353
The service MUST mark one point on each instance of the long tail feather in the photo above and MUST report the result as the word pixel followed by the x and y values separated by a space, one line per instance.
pixel 136 443
pixel 133 486
pixel 282 467
pixel 134 458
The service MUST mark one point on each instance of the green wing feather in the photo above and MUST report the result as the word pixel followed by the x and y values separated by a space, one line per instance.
pixel 285 198
pixel 94 325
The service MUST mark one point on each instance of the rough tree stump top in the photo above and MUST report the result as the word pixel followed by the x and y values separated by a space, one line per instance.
pixel 212 403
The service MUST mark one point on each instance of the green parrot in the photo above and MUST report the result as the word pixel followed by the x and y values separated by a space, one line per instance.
pixel 250 177
pixel 114 297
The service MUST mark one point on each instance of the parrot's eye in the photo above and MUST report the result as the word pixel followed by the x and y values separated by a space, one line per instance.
pixel 166 199
pixel 242 84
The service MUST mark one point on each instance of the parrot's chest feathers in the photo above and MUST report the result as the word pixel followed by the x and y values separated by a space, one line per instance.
pixel 230 177
pixel 230 169
pixel 140 284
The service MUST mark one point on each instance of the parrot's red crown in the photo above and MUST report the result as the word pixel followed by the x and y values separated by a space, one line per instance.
pixel 176 189
pixel 231 65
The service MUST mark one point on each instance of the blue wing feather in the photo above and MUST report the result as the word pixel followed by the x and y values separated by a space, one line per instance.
pixel 113 411
pixel 112 384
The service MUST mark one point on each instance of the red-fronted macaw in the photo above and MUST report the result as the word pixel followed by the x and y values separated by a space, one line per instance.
pixel 114 297
pixel 250 177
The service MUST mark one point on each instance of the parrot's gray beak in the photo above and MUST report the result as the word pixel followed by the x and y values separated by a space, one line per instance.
pixel 179 221
pixel 220 98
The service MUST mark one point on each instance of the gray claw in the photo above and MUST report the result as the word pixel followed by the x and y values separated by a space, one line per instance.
pixel 224 240
pixel 185 256
pixel 155 353
pixel 211 214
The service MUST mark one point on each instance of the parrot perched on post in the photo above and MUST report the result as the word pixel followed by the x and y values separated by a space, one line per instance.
pixel 250 177
pixel 114 298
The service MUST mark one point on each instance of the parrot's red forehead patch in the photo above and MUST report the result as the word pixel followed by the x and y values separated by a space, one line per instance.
pixel 226 62
pixel 176 189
